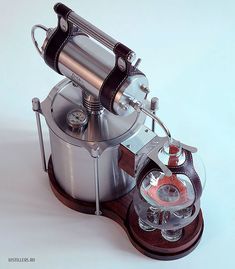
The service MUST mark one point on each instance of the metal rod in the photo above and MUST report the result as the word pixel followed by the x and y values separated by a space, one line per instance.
pixel 154 107
pixel 41 143
pixel 37 109
pixel 97 191
pixel 33 36
pixel 95 155
pixel 138 106
pixel 92 31
pixel 155 118
pixel 153 123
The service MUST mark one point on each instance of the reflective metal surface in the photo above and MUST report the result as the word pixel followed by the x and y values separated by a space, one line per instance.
pixel 139 140
pixel 103 126
pixel 95 155
pixel 74 170
pixel 38 26
pixel 37 110
pixel 92 104
pixel 131 89
pixel 86 63
pixel 92 30
pixel 72 158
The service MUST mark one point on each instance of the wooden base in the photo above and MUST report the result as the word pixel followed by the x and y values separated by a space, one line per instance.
pixel 122 211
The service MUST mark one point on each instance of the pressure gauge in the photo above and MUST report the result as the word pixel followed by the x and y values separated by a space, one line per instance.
pixel 77 119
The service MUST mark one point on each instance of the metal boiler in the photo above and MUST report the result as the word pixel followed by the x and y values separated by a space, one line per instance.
pixel 104 160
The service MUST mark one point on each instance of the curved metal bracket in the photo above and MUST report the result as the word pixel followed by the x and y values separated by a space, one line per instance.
pixel 34 28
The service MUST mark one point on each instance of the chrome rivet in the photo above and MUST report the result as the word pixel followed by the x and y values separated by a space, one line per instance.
pixel 154 104
pixel 131 57
pixel 144 88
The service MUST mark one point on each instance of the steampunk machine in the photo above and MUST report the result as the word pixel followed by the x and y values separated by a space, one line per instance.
pixel 104 159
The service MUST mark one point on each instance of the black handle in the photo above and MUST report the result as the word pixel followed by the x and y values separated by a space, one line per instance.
pixel 62 10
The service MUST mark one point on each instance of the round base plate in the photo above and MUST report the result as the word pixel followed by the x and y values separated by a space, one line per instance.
pixel 122 211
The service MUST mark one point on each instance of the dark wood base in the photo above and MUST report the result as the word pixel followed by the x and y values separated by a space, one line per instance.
pixel 122 211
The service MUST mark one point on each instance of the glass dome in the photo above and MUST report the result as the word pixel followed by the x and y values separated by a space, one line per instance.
pixel 171 202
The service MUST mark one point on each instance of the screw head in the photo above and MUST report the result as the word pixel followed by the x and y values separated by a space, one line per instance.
pixel 35 104
pixel 131 57
pixel 154 103
pixel 145 88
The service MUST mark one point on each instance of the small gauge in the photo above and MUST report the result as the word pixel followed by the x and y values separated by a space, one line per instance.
pixel 77 119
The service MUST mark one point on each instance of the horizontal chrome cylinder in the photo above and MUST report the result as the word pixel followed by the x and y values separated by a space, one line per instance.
pixel 88 65
pixel 85 63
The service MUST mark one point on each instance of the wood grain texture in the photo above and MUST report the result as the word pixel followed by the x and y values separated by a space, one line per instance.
pixel 122 211
pixel 154 245
pixel 127 161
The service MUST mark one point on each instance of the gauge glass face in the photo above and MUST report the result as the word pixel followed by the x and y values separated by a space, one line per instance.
pixel 77 118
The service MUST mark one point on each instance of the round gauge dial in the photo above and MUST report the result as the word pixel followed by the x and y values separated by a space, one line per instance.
pixel 77 118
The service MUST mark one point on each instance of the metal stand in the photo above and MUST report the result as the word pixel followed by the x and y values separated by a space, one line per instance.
pixel 37 109
pixel 95 155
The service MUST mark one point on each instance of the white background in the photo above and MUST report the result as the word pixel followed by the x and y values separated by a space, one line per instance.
pixel 187 51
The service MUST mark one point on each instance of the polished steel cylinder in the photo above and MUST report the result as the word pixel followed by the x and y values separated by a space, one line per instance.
pixel 74 169
pixel 86 63
pixel 72 152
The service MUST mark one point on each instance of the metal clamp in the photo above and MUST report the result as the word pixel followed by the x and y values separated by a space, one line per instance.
pixel 37 26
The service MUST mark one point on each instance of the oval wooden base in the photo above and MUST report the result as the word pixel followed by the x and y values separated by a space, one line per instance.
pixel 122 211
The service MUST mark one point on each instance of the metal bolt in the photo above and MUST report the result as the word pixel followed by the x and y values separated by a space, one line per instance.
pixel 36 104
pixel 135 104
pixel 98 213
pixel 145 88
pixel 95 151
pixel 154 104
pixel 131 57
pixel 123 106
